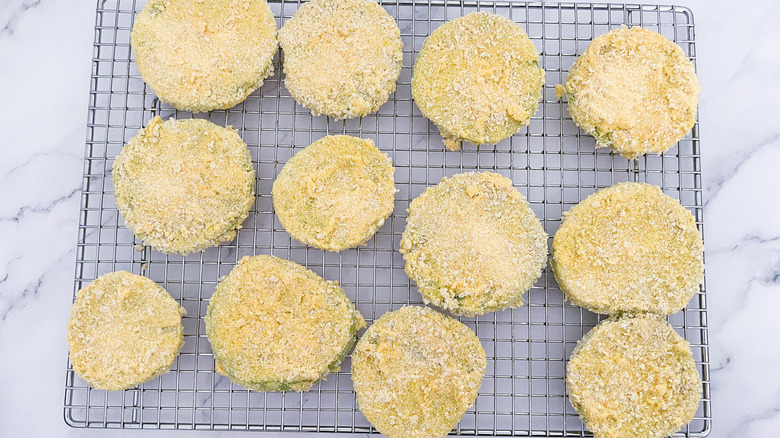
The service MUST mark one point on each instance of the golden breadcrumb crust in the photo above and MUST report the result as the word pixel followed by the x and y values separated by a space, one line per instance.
pixel 472 244
pixel 416 372
pixel 478 79
pixel 629 248
pixel 124 330
pixel 633 377
pixel 335 193
pixel 634 90
pixel 184 185
pixel 341 57
pixel 201 55
pixel 276 326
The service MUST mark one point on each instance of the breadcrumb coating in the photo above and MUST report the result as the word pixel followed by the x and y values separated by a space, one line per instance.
pixel 335 193
pixel 124 330
pixel 629 248
pixel 478 79
pixel 416 372
pixel 276 326
pixel 633 377
pixel 634 91
pixel 472 244
pixel 342 58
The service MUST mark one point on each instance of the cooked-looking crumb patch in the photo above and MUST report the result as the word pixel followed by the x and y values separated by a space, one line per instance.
pixel 478 79
pixel 335 193
pixel 629 248
pixel 416 372
pixel 184 185
pixel 276 326
pixel 634 90
pixel 201 55
pixel 341 57
pixel 473 245
pixel 633 377
pixel 124 329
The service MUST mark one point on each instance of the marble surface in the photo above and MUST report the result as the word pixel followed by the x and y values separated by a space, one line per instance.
pixel 45 53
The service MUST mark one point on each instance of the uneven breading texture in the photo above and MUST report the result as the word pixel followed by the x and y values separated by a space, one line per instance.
pixel 201 55
pixel 184 185
pixel 629 248
pixel 124 330
pixel 633 377
pixel 341 57
pixel 335 193
pixel 473 245
pixel 416 372
pixel 276 326
pixel 634 90
pixel 478 79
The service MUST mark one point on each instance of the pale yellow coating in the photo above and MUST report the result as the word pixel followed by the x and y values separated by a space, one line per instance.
pixel 478 79
pixel 341 57
pixel 633 377
pixel 184 185
pixel 276 326
pixel 634 90
pixel 473 245
pixel 416 372
pixel 335 193
pixel 201 55
pixel 124 330
pixel 629 248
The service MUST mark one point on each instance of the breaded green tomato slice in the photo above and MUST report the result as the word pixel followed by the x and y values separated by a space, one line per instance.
pixel 184 185
pixel 335 193
pixel 416 372
pixel 276 326
pixel 629 248
pixel 634 91
pixel 472 244
pixel 202 55
pixel 633 377
pixel 478 79
pixel 341 57
pixel 124 330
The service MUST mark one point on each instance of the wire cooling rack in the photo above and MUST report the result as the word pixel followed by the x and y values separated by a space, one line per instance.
pixel 551 162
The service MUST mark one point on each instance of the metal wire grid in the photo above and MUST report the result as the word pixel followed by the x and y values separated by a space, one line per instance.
pixel 551 162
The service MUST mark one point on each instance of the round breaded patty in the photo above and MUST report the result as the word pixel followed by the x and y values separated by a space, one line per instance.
pixel 124 330
pixel 478 79
pixel 629 248
pixel 472 244
pixel 634 91
pixel 184 185
pixel 341 57
pixel 201 55
pixel 416 372
pixel 276 326
pixel 335 193
pixel 633 377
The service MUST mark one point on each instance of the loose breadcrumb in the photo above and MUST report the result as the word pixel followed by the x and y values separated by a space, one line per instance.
pixel 184 185
pixel 473 245
pixel 335 193
pixel 633 377
pixel 478 79
pixel 124 330
pixel 634 90
pixel 629 248
pixel 341 57
pixel 276 326
pixel 416 372
pixel 201 55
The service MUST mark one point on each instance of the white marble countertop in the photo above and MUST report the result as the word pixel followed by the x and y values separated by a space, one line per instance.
pixel 45 53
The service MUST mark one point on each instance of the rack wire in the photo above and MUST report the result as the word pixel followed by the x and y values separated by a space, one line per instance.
pixel 552 162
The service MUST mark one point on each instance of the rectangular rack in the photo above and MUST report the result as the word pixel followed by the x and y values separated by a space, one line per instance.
pixel 551 162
